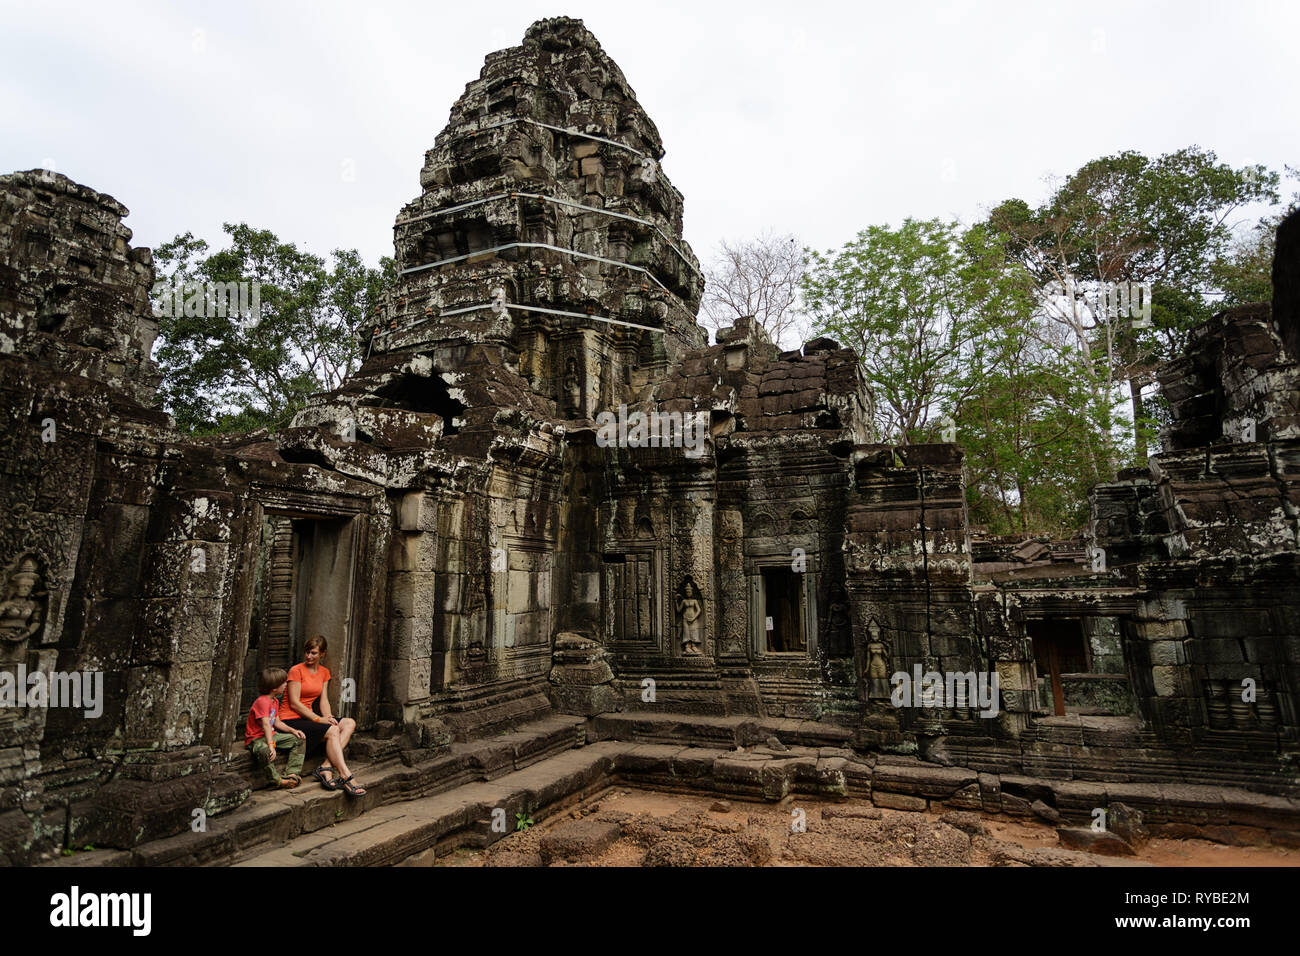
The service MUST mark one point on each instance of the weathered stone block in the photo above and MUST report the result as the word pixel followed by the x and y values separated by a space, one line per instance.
pixel 898 801
pixel 411 593
pixel 1093 841
pixel 408 680
pixel 411 637
pixel 1167 653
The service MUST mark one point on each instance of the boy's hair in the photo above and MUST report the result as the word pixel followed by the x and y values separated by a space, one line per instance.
pixel 272 677
pixel 318 641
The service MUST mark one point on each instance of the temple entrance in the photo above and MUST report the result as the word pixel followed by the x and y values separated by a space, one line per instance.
pixel 305 586
pixel 1059 648
pixel 783 625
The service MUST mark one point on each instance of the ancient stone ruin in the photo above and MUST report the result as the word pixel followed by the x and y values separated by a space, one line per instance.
pixel 548 521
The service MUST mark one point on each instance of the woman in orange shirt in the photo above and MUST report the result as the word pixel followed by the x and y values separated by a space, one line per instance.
pixel 307 707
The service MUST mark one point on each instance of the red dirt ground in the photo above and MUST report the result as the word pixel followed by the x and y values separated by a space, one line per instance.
pixel 632 827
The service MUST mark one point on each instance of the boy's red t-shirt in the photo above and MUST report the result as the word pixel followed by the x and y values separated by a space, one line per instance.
pixel 310 689
pixel 264 706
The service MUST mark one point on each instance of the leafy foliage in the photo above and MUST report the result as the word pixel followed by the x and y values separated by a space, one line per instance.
pixel 947 324
pixel 904 299
pixel 962 323
pixel 1245 272
pixel 232 372
pixel 1127 219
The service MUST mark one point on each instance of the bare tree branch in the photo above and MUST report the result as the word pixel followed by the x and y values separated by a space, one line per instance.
pixel 758 277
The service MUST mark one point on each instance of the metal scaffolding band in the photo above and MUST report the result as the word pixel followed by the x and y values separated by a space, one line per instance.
pixel 562 202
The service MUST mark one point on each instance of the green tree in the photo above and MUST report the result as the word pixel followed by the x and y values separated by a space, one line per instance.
pixel 1024 418
pixel 948 323
pixel 226 370
pixel 1127 219
pixel 1028 426
pixel 1245 272
pixel 902 298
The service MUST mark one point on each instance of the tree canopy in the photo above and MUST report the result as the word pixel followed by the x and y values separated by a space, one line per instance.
pixel 1127 221
pixel 227 369
pixel 1003 329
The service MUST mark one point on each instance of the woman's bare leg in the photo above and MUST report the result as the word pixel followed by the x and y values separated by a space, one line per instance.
pixel 334 754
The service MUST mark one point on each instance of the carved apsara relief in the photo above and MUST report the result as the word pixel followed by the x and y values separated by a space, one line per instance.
pixel 690 609
pixel 22 609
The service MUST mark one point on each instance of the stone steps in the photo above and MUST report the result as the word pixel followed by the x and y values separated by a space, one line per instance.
pixel 271 817
pixel 462 817
pixel 433 805
pixel 417 831
pixel 725 732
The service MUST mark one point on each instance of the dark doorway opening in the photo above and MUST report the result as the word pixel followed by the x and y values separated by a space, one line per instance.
pixel 1059 648
pixel 783 611
pixel 305 586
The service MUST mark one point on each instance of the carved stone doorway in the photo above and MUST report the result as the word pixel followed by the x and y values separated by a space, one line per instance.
pixel 306 585
pixel 784 630
pixel 1059 648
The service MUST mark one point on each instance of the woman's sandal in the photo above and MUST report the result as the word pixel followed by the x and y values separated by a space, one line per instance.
pixel 332 783
pixel 351 788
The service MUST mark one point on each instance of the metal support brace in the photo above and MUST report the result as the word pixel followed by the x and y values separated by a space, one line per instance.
pixel 506 306
pixel 562 202
pixel 570 252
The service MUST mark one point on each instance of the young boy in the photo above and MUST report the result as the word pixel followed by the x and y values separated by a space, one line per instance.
pixel 263 719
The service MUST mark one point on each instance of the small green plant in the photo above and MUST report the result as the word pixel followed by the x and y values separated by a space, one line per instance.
pixel 69 851
pixel 523 821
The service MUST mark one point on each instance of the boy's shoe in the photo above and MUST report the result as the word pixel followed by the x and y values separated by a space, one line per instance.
pixel 290 781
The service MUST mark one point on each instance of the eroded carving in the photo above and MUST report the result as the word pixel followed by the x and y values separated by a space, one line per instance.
pixel 23 610
pixel 690 607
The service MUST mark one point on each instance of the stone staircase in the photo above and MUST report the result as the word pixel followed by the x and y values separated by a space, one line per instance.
pixel 270 817
pixel 424 807
pixel 413 831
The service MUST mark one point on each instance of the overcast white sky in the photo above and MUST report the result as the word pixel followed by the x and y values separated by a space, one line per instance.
pixel 813 118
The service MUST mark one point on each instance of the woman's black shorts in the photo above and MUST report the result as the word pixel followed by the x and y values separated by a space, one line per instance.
pixel 315 732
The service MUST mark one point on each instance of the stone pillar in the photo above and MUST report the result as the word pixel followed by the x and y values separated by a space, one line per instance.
pixel 171 660
pixel 411 594
pixel 692 556
pixel 733 608
pixel 1167 694
pixel 732 629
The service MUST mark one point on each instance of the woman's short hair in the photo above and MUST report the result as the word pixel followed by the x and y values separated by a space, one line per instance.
pixel 318 642
pixel 271 678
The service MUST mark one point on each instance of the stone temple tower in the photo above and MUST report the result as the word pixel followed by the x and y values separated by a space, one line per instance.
pixel 547 229
pixel 542 279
